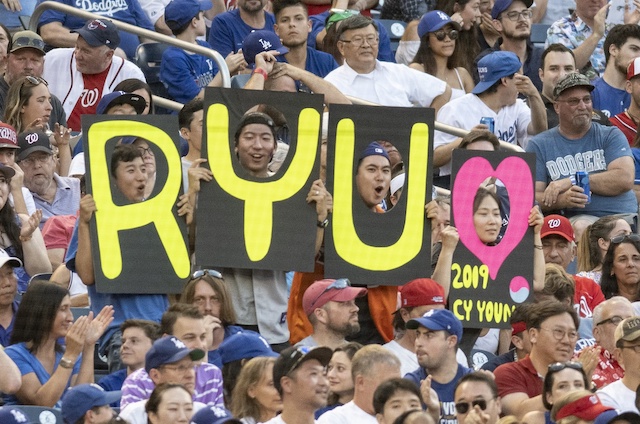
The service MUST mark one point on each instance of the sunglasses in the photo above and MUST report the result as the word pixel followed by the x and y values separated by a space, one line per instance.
pixel 621 238
pixel 35 80
pixel 27 42
pixel 463 407
pixel 297 356
pixel 202 272
pixel 339 284
pixel 559 366
pixel 441 34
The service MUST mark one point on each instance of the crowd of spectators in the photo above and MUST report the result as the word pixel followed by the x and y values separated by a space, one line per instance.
pixel 255 345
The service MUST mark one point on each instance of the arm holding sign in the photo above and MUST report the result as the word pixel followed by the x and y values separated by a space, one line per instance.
pixel 84 262
pixel 536 219
pixel 319 195
pixel 442 272
pixel 315 83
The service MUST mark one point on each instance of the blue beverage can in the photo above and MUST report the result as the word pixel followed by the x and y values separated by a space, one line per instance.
pixel 489 122
pixel 582 180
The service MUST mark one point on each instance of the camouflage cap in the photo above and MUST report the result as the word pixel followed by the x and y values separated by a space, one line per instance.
pixel 572 80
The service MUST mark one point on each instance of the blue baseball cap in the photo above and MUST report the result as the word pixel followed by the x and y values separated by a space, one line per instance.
pixel 433 21
pixel 494 66
pixel 167 350
pixel 437 320
pixel 213 414
pixel 374 149
pixel 501 5
pixel 100 32
pixel 244 345
pixel 81 398
pixel 12 415
pixel 179 12
pixel 261 41
pixel 120 98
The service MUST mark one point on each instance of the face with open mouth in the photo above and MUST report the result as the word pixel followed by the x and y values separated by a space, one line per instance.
pixel 131 179
pixel 373 179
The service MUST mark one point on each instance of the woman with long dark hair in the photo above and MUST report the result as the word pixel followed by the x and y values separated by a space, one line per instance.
pixel 48 368
pixel 621 268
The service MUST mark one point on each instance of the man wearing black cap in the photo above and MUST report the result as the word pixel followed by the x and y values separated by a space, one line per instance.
pixel 26 57
pixel 578 144
pixel 92 70
pixel 53 194
pixel 299 376
pixel 255 144
pixel 186 74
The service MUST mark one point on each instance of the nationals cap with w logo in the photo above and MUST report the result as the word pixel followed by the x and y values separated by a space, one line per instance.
pixel 557 225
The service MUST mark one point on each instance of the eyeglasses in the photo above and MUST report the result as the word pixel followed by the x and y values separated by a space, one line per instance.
pixel 463 407
pixel 621 238
pixel 32 160
pixel 615 320
pixel 201 300
pixel 27 42
pixel 202 272
pixel 339 284
pixel 358 41
pixel 146 151
pixel 441 34
pixel 635 348
pixel 515 16
pixel 182 369
pixel 574 101
pixel 559 366
pixel 559 334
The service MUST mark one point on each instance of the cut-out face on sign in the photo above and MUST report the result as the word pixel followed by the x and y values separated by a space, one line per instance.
pixel 487 219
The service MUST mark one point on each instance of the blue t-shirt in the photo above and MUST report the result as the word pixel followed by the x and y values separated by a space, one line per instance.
pixel 385 53
pixel 318 63
pixel 125 306
pixel 228 30
pixel 27 363
pixel 558 157
pixel 214 357
pixel 12 19
pixel 113 382
pixel 636 162
pixel 610 100
pixel 445 391
pixel 5 333
pixel 185 74
pixel 128 11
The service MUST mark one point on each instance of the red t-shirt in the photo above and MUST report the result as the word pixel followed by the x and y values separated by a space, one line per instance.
pixel 88 101
pixel 518 377
pixel 607 371
pixel 588 296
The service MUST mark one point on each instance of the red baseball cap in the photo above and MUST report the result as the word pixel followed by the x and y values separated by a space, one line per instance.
pixel 8 136
pixel 323 291
pixel 421 292
pixel 633 69
pixel 557 225
pixel 587 408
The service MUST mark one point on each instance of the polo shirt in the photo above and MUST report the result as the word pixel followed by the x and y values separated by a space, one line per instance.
pixel 518 377
pixel 66 201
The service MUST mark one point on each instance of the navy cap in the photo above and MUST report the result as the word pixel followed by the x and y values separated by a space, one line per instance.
pixel 179 12
pixel 33 141
pixel 12 415
pixel 374 149
pixel 261 41
pixel 494 66
pixel 81 398
pixel 437 320
pixel 244 345
pixel 213 414
pixel 167 350
pixel 501 5
pixel 433 21
pixel 121 98
pixel 100 32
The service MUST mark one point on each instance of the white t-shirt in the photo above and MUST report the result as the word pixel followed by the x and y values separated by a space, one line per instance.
pixel 618 396
pixel 134 413
pixel 408 359
pixel 348 413
pixel 465 112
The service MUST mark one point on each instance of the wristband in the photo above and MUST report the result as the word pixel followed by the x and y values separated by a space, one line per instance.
pixel 323 224
pixel 66 363
pixel 261 72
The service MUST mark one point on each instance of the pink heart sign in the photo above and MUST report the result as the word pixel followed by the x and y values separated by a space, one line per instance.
pixel 514 173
